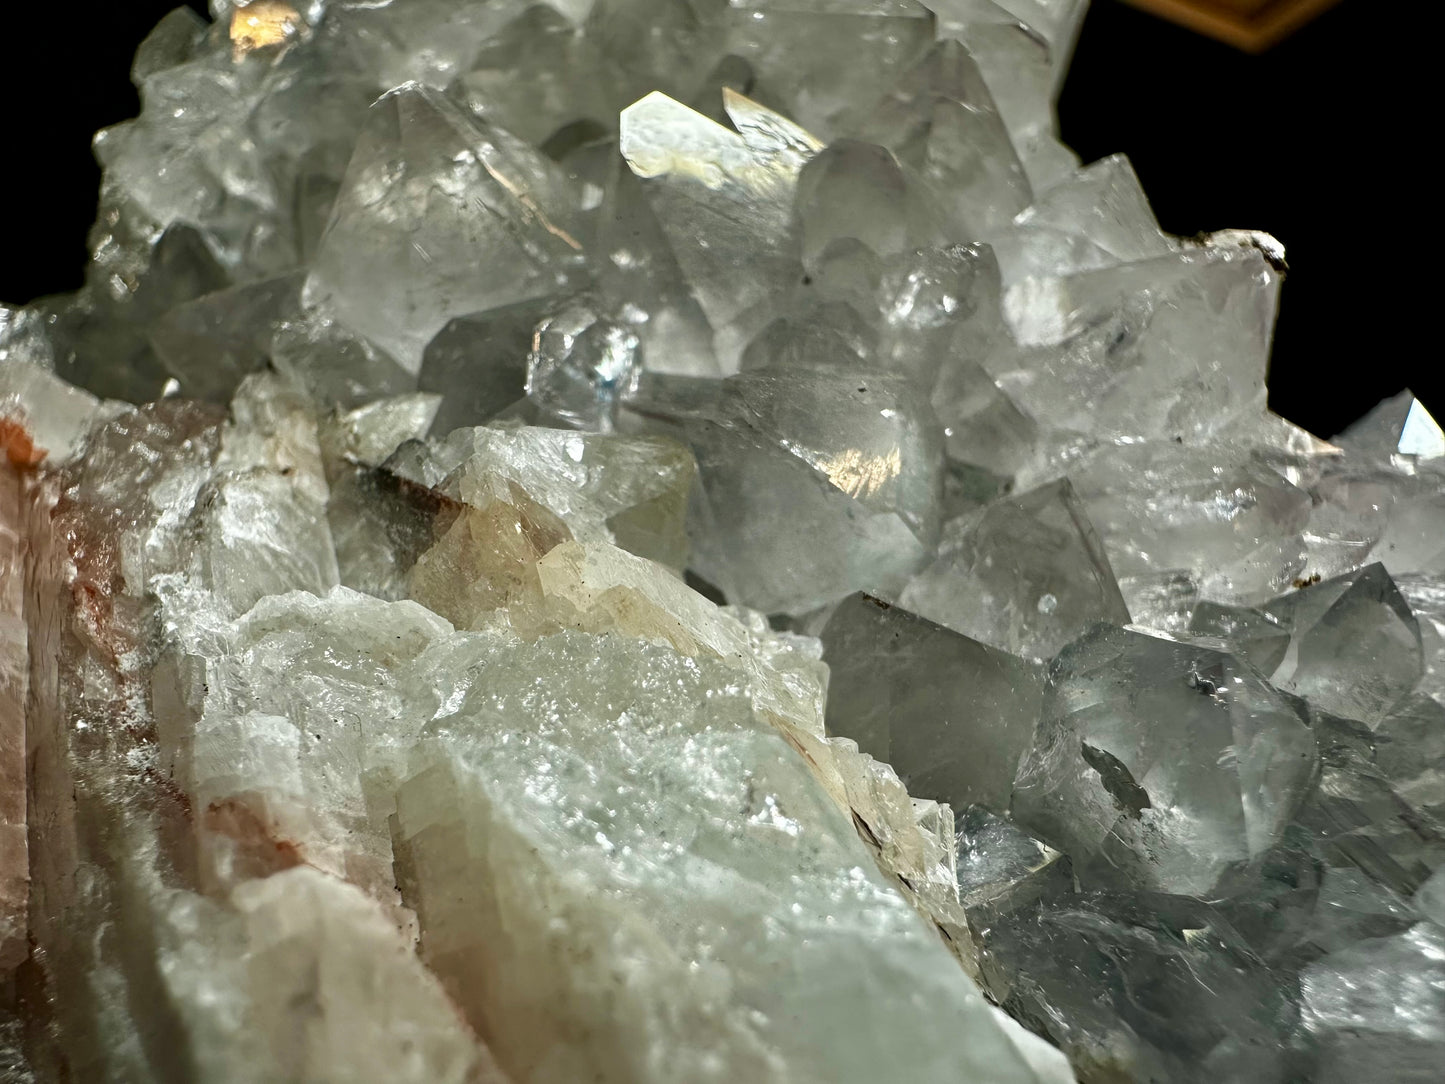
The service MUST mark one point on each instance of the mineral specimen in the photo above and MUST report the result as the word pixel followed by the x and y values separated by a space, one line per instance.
pixel 644 541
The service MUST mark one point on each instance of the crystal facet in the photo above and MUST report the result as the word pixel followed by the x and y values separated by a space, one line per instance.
pixel 671 540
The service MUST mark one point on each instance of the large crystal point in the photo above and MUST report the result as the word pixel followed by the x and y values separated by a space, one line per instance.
pixel 1176 344
pixel 1161 763
pixel 795 517
pixel 1023 68
pixel 725 205
pixel 859 191
pixel 951 715
pixel 1026 574
pixel 822 60
pixel 1097 217
pixel 440 215
pixel 1179 524
pixel 940 120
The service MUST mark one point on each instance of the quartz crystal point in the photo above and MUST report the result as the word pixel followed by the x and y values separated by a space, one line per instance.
pixel 1159 763
pixel 1096 217
pixel 1355 645
pixel 1364 514
pixel 539 516
pixel 824 59
pixel 1026 574
pixel 1023 66
pixel 1002 868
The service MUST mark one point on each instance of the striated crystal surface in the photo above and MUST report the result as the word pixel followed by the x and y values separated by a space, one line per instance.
pixel 671 540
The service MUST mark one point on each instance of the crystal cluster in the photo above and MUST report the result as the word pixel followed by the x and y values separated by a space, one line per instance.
pixel 644 540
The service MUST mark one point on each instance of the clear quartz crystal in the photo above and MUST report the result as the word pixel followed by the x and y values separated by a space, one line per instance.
pixel 672 540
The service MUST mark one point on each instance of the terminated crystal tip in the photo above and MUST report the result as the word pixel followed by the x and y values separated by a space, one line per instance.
pixel 644 542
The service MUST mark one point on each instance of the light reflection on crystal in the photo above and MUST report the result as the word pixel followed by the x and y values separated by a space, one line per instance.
pixel 657 542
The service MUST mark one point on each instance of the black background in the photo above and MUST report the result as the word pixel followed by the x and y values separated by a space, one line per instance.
pixel 1323 141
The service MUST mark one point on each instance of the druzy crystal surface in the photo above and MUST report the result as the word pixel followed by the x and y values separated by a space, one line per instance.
pixel 634 540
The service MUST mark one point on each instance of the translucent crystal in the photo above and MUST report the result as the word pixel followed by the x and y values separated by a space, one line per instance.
pixel 429 188
pixel 1161 763
pixel 1096 217
pixel 1398 427
pixel 1026 574
pixel 574 86
pixel 1426 598
pixel 940 120
pixel 858 190
pixel 1177 344
pixel 1213 521
pixel 581 363
pixel 1377 1007
pixel 1357 817
pixel 1023 74
pixel 1364 514
pixel 916 695
pixel 1002 868
pixel 725 205
pixel 1076 967
pixel 823 59
pixel 795 518
pixel 1355 646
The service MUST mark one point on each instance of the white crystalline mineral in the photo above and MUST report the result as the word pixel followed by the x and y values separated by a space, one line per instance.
pixel 659 541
